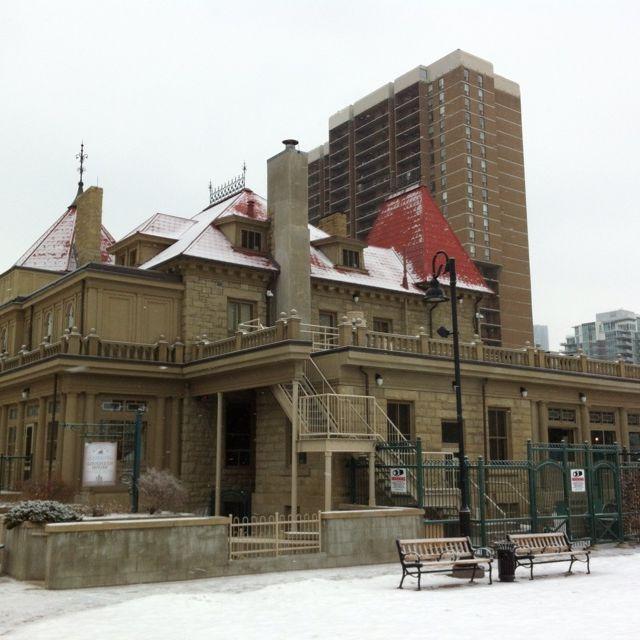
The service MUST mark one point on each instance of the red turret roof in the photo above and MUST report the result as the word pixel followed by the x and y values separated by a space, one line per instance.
pixel 412 224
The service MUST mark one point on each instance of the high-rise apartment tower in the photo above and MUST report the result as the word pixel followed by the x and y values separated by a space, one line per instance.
pixel 454 126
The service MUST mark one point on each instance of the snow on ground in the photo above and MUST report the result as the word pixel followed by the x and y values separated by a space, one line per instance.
pixel 357 602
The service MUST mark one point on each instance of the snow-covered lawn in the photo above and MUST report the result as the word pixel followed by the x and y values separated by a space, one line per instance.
pixel 358 603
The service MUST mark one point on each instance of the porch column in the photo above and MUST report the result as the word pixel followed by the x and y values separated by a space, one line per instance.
pixel 585 435
pixel 535 422
pixel 372 479
pixel 327 480
pixel 68 437
pixel 543 422
pixel 622 428
pixel 295 417
pixel 157 456
pixel 89 418
pixel 20 430
pixel 174 453
pixel 40 441
pixel 219 426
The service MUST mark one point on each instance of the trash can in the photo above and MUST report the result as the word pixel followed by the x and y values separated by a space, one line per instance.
pixel 506 553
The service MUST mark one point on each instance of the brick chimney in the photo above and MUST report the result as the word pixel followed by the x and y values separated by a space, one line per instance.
pixel 287 207
pixel 88 232
pixel 335 224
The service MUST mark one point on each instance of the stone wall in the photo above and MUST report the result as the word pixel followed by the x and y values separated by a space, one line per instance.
pixel 113 552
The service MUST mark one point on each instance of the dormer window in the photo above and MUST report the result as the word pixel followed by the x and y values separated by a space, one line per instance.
pixel 351 258
pixel 251 240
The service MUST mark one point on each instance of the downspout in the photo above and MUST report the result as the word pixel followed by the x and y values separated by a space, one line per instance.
pixel 366 390
pixel 476 322
pixel 484 418
pixel 82 294
pixel 30 328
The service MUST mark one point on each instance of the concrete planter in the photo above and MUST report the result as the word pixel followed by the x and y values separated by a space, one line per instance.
pixel 25 551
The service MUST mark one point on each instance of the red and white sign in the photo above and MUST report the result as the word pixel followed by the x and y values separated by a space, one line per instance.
pixel 578 481
pixel 398 480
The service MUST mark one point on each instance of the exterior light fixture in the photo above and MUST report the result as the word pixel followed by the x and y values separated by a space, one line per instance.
pixel 583 397
pixel 356 297
pixel 524 392
pixel 269 293
pixel 434 293
pixel 25 393
pixel 379 380
pixel 443 332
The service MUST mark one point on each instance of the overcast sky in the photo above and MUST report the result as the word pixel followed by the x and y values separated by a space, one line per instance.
pixel 168 95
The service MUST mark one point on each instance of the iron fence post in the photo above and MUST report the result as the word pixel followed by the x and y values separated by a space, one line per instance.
pixel 420 473
pixel 137 447
pixel 481 501
pixel 533 506
pixel 1 472
pixel 566 489
pixel 618 491
pixel 591 483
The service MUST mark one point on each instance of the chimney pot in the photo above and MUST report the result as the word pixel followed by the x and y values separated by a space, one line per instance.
pixel 290 143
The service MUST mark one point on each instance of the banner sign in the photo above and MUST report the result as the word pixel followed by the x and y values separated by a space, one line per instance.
pixel 398 480
pixel 99 466
pixel 578 481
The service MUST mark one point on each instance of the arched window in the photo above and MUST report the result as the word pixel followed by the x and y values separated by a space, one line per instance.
pixel 4 341
pixel 48 325
pixel 70 316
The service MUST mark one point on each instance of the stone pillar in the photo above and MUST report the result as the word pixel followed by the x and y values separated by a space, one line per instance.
pixel 68 437
pixel 219 428
pixel 622 428
pixel 584 430
pixel 287 206
pixel 543 421
pixel 327 480
pixel 89 418
pixel 372 479
pixel 40 441
pixel 535 422
pixel 88 229
pixel 295 394
pixel 174 452
pixel 4 416
pixel 20 430
pixel 157 434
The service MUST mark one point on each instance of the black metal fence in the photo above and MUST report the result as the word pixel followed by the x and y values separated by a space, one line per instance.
pixel 586 491
pixel 14 471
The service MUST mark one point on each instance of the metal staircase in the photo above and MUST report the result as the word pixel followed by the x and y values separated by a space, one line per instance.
pixel 351 423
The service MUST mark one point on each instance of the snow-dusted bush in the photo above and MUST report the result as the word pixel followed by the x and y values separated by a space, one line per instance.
pixel 40 511
pixel 160 491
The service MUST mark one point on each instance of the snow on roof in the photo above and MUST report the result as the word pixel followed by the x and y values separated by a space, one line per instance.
pixel 203 240
pixel 162 225
pixel 383 262
pixel 53 251
pixel 412 224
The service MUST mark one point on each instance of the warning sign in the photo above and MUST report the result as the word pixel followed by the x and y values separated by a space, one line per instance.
pixel 398 480
pixel 578 481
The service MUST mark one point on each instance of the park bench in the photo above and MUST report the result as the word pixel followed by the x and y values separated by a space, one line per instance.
pixel 542 548
pixel 440 555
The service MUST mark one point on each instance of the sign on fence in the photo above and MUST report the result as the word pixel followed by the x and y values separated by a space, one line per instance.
pixel 578 481
pixel 398 480
pixel 99 466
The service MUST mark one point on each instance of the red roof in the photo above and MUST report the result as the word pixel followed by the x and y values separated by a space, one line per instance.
pixel 412 224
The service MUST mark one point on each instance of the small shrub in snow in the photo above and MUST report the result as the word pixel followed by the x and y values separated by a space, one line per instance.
pixel 40 511
pixel 160 491
pixel 48 490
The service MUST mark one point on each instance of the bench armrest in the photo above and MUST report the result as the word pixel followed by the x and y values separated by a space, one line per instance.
pixel 483 552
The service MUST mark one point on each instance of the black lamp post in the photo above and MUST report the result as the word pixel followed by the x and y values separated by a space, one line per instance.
pixel 434 293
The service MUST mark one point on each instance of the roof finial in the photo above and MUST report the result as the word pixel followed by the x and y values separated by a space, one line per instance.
pixel 82 156
pixel 244 172
pixel 210 192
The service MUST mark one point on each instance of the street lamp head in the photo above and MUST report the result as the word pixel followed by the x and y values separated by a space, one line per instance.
pixel 434 292
pixel 443 332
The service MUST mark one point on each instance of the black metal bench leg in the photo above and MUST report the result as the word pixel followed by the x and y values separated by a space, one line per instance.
pixel 571 564
pixel 473 573
pixel 404 575
pixel 588 567
pixel 419 580
pixel 531 577
pixel 490 574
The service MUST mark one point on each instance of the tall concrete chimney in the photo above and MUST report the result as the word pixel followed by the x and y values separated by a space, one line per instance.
pixel 88 226
pixel 287 207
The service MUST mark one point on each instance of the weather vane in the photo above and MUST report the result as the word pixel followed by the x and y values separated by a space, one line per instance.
pixel 82 156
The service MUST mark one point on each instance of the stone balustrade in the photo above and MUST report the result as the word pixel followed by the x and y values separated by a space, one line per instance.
pixel 290 327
